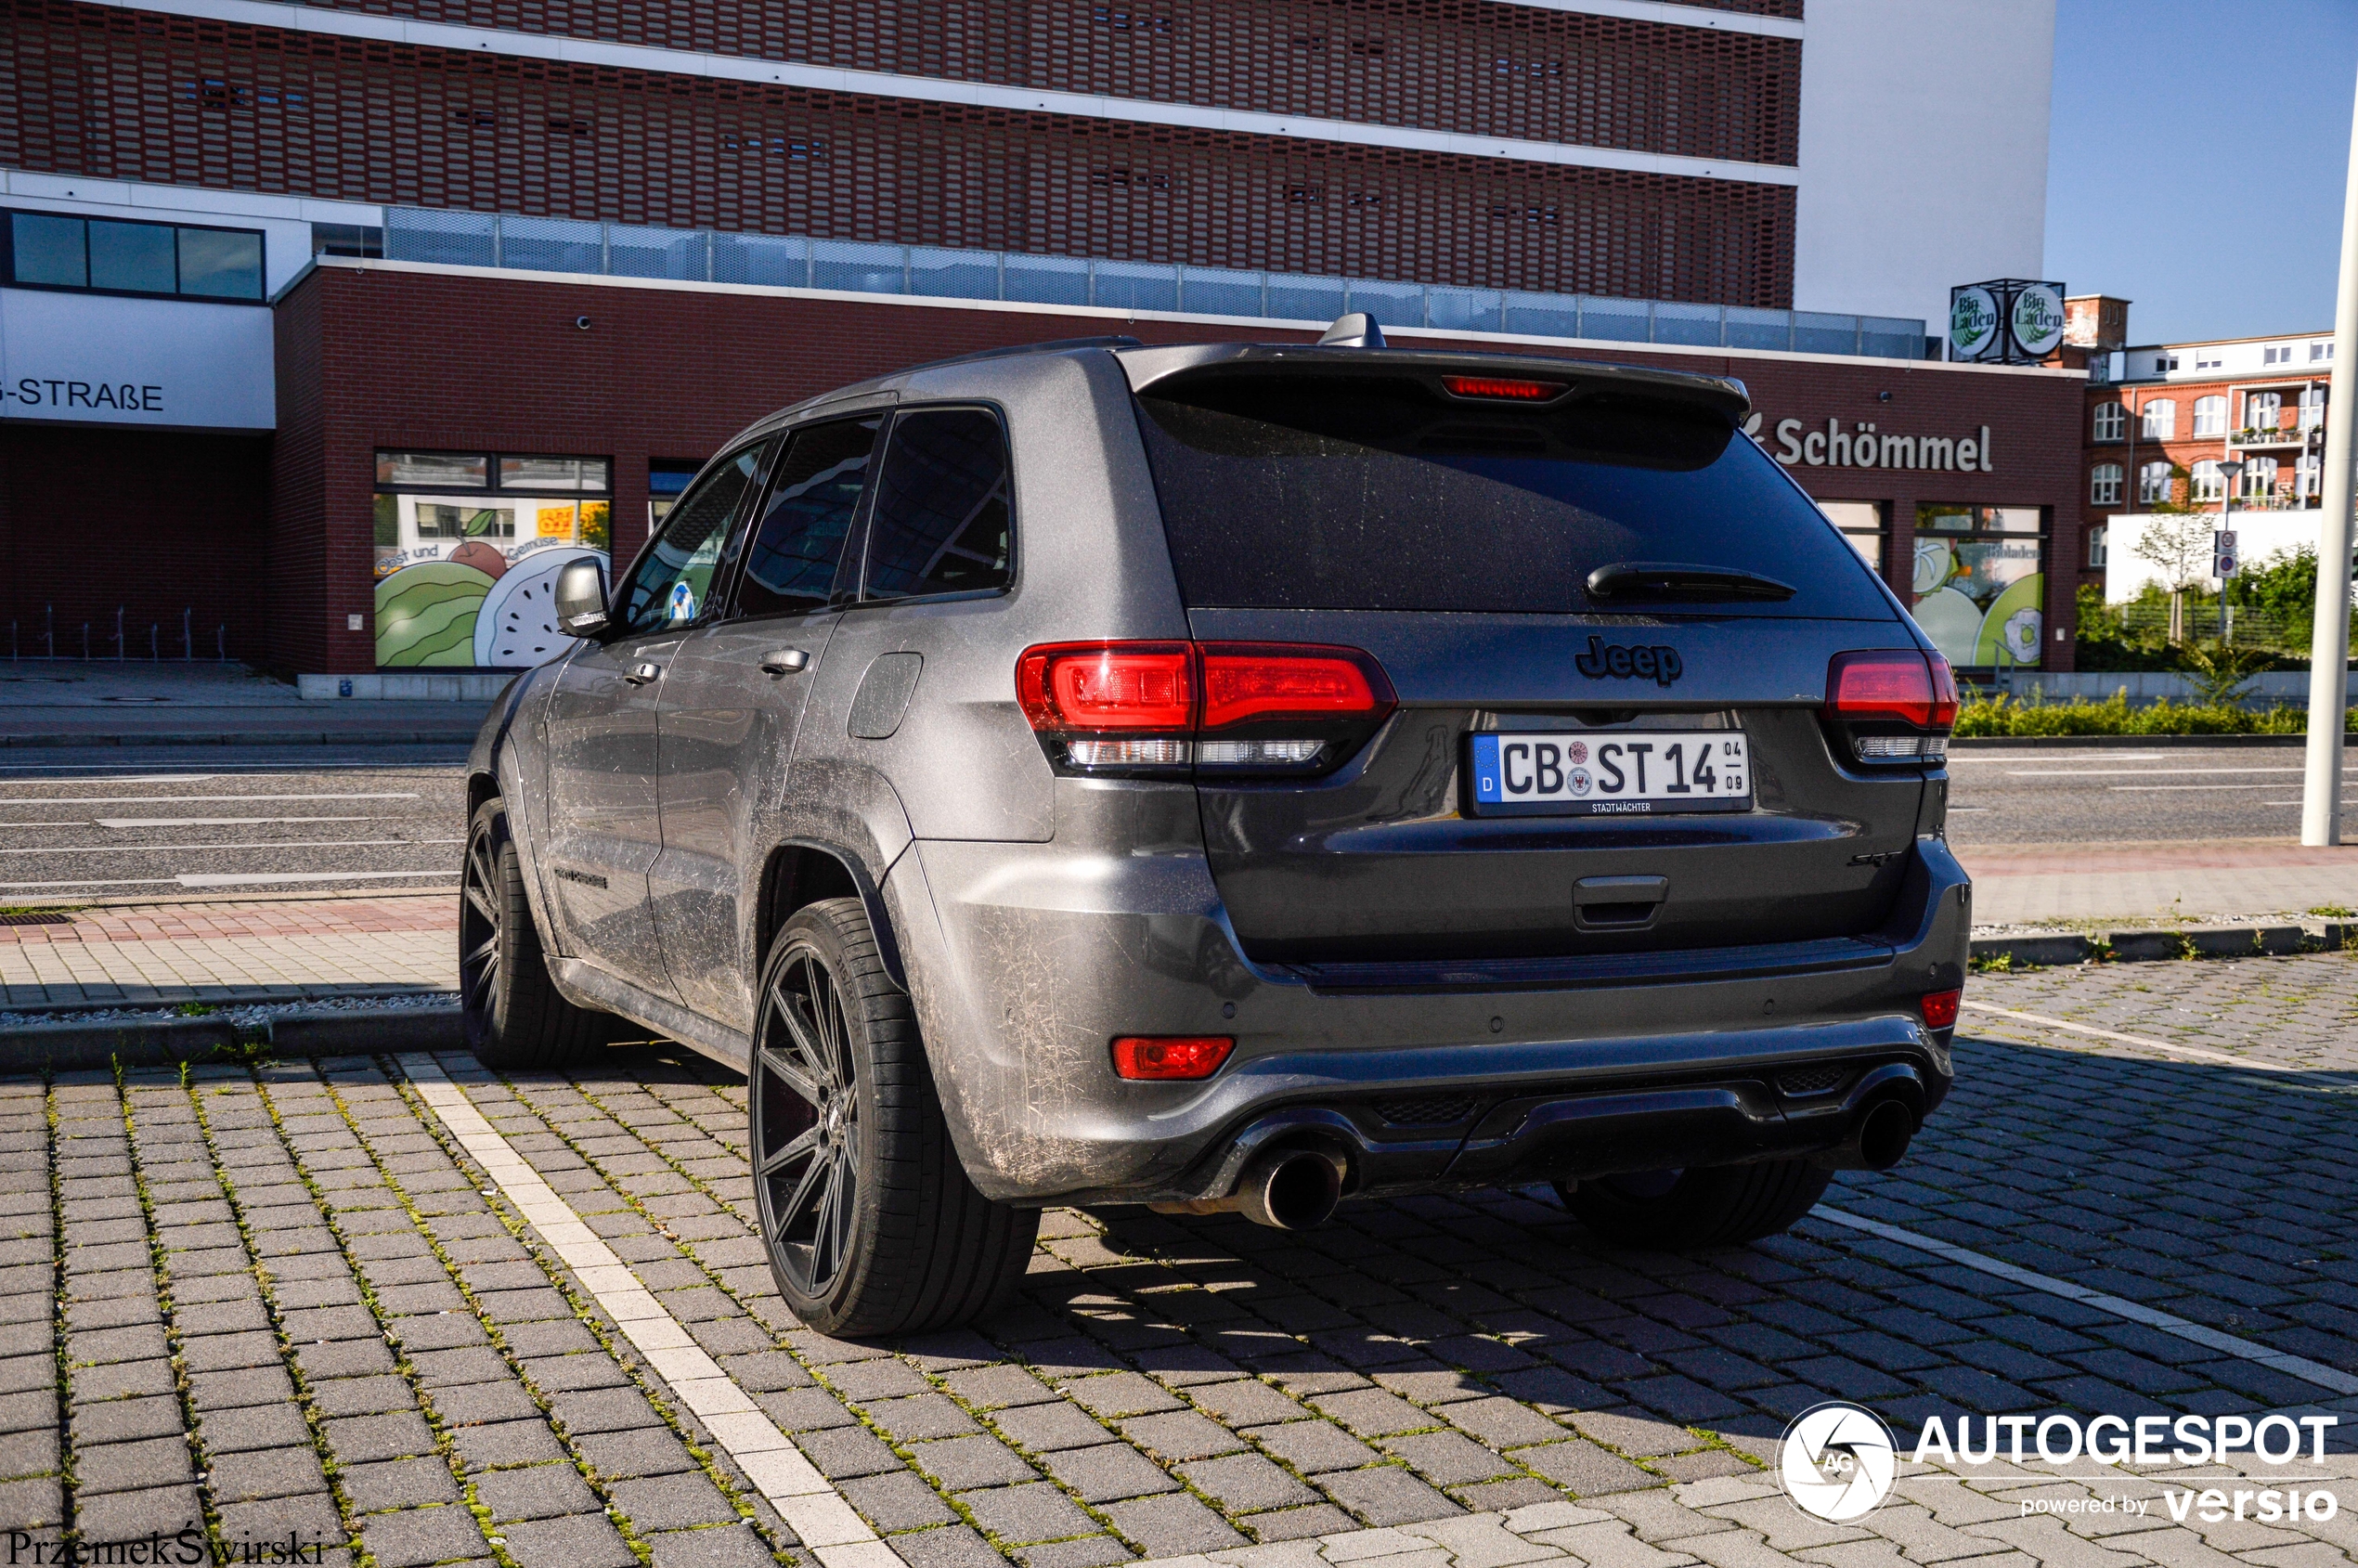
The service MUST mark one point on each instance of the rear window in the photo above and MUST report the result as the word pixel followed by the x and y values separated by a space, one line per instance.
pixel 1307 492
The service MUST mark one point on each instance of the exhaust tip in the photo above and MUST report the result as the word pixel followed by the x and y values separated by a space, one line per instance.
pixel 1294 1189
pixel 1883 1135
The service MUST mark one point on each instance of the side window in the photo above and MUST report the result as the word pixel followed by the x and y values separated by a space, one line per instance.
pixel 671 581
pixel 943 520
pixel 798 542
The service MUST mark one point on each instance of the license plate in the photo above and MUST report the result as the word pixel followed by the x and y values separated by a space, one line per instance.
pixel 1621 774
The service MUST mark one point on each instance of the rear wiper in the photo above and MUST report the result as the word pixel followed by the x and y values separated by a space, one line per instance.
pixel 1678 579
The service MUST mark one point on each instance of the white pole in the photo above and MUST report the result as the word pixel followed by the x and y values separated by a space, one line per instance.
pixel 2330 646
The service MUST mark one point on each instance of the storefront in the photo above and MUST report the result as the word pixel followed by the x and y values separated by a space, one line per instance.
pixel 415 517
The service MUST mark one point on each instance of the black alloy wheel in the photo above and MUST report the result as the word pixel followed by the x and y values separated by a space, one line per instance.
pixel 511 1012
pixel 807 1124
pixel 482 907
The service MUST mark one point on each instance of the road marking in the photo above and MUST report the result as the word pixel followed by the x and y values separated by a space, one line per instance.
pixel 208 821
pixel 259 844
pixel 176 799
pixel 2245 1350
pixel 803 1498
pixel 192 880
pixel 2150 1045
pixel 2148 789
pixel 102 882
pixel 2142 773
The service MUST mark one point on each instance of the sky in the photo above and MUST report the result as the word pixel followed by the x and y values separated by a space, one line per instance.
pixel 2197 159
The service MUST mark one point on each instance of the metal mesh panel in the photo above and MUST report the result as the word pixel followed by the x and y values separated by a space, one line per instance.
pixel 553 244
pixel 118 93
pixel 657 252
pixel 1467 66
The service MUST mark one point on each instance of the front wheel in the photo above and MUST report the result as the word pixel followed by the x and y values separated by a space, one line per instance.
pixel 510 1009
pixel 1720 1206
pixel 871 1224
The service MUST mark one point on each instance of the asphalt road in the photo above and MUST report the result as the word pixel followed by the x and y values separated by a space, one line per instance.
pixel 298 821
pixel 198 821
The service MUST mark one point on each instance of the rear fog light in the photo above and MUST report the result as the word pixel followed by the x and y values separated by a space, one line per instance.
pixel 1169 1055
pixel 1940 1008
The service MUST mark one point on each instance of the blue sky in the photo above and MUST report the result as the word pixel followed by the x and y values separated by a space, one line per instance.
pixel 2197 160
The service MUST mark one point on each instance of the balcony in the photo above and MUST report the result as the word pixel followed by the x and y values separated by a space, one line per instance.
pixel 2299 435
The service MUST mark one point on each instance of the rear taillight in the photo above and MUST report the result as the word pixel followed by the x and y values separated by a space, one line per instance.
pixel 1169 1055
pixel 1171 708
pixel 1940 1008
pixel 1892 705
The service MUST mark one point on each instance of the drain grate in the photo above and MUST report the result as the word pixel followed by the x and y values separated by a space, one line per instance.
pixel 1437 1110
pixel 1812 1080
pixel 36 919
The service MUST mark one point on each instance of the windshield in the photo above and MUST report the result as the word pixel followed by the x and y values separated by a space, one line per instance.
pixel 1293 491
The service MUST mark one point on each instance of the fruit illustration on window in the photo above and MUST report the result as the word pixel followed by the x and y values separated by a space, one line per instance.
pixel 683 603
pixel 426 615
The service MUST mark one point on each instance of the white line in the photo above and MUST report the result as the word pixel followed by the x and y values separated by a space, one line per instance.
pixel 85 822
pixel 259 844
pixel 2247 1350
pixel 2046 1022
pixel 103 882
pixel 206 821
pixel 2138 772
pixel 190 880
pixel 2150 789
pixel 802 1497
pixel 176 799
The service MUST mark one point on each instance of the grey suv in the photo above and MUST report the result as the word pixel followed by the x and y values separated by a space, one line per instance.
pixel 1236 777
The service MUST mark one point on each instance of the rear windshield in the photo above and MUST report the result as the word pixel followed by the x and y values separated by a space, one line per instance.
pixel 1307 492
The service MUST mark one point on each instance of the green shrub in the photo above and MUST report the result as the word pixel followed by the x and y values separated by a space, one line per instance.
pixel 2004 714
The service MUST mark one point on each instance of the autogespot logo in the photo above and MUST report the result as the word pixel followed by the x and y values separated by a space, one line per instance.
pixel 1837 1461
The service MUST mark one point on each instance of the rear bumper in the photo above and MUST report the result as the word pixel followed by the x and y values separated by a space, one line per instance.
pixel 1026 959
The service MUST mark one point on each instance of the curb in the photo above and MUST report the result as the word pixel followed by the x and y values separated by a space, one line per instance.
pixel 69 1047
pixel 242 738
pixel 231 996
pixel 2108 743
pixel 2053 950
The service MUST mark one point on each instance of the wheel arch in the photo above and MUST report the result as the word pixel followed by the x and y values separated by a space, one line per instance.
pixel 802 872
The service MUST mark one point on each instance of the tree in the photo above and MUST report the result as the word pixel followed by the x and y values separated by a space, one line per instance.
pixel 2178 542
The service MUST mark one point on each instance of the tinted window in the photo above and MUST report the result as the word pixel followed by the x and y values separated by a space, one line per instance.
pixel 670 585
pixel 132 256
pixel 941 516
pixel 223 264
pixel 798 543
pixel 1305 492
pixel 49 249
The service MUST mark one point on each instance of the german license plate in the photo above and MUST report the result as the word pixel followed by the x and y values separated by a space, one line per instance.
pixel 1552 773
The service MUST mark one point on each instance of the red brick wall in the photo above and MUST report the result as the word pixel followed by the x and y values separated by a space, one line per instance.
pixel 439 360
pixel 93 519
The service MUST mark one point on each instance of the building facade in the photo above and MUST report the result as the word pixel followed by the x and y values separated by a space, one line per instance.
pixel 183 183
pixel 2164 420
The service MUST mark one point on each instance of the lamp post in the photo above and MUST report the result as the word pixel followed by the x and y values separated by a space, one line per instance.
pixel 2330 644
pixel 2231 468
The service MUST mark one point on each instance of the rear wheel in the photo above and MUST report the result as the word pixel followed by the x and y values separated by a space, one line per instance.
pixel 510 1009
pixel 1720 1206
pixel 869 1222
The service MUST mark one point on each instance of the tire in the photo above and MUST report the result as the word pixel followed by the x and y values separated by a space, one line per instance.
pixel 512 1013
pixel 1719 1206
pixel 870 1223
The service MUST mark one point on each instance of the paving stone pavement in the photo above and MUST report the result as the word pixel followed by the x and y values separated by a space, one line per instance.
pixel 136 955
pixel 257 1303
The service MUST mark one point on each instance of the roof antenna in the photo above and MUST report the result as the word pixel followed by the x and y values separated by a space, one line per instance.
pixel 1357 330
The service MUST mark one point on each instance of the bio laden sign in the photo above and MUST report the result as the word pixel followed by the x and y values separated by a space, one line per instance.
pixel 106 359
pixel 2005 321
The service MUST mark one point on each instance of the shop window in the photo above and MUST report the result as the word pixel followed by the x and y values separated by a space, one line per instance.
pixel 665 480
pixel 1980 589
pixel 941 514
pixel 120 256
pixel 2111 421
pixel 2154 486
pixel 1861 523
pixel 2104 484
pixel 467 548
pixel 2206 482
pixel 2210 415
pixel 2099 542
pixel 2159 421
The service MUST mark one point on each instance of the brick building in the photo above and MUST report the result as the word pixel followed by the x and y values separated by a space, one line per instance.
pixel 297 302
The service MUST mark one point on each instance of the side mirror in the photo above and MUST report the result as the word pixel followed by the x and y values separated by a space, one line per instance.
pixel 581 599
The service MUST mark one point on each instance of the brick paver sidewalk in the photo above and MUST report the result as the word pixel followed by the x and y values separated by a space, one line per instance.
pixel 526 1320
pixel 305 949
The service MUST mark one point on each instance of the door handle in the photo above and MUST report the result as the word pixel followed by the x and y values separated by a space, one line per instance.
pixel 784 661
pixel 643 671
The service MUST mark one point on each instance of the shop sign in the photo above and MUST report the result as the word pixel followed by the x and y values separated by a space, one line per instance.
pixel 105 359
pixel 1973 322
pixel 1857 444
pixel 2037 319
pixel 2005 320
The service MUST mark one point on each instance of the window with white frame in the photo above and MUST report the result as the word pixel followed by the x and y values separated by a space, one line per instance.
pixel 2111 421
pixel 2318 351
pixel 2210 358
pixel 2164 364
pixel 2152 485
pixel 2207 482
pixel 2276 354
pixel 2159 421
pixel 2258 480
pixel 2309 475
pixel 2104 484
pixel 2210 415
pixel 2313 407
pixel 2262 409
pixel 2099 539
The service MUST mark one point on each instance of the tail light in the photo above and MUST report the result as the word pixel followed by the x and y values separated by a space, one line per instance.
pixel 1940 1008
pixel 1169 1055
pixel 1892 705
pixel 1174 708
